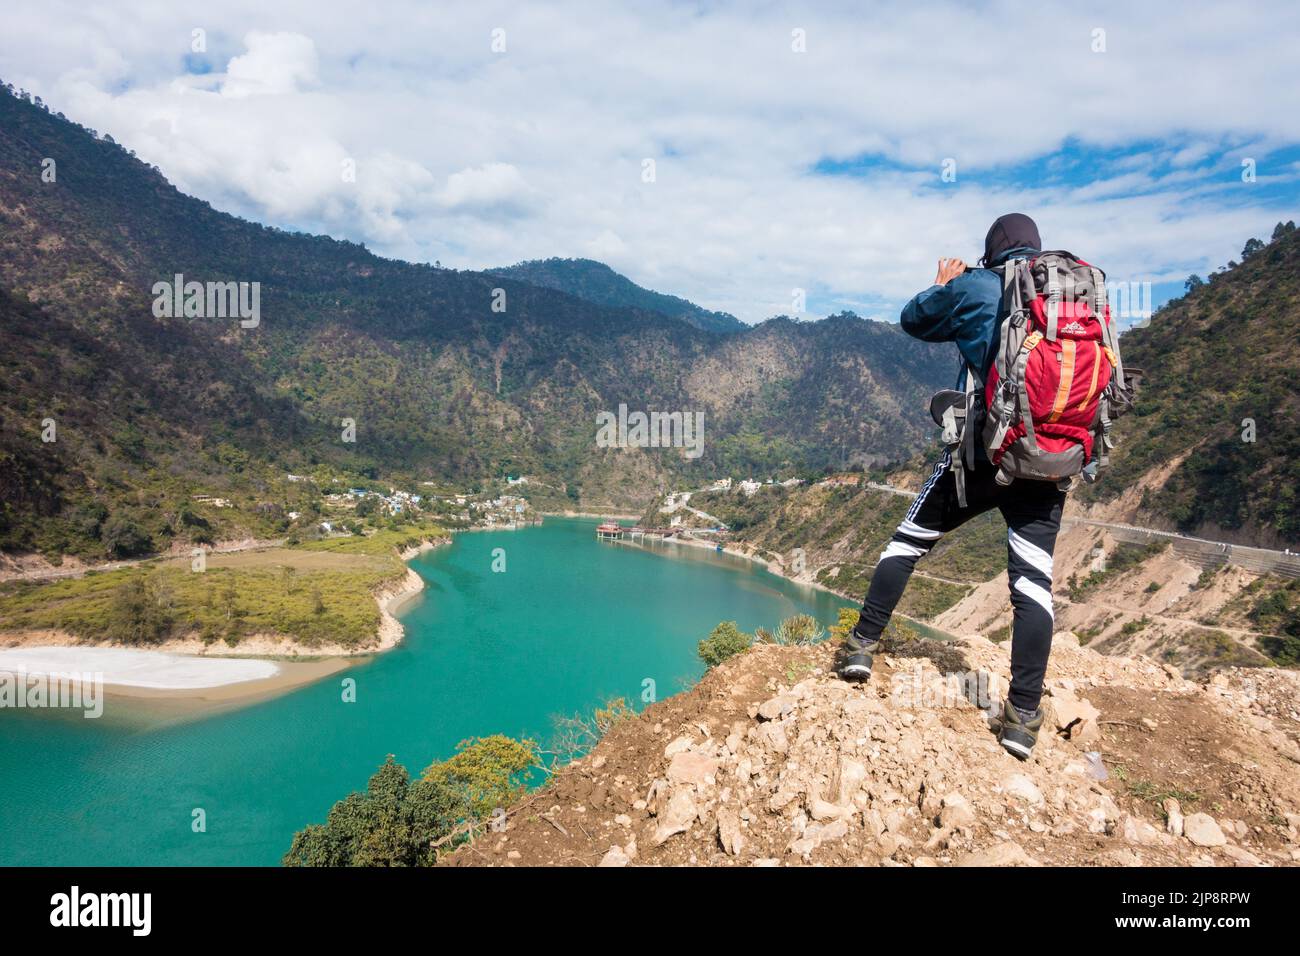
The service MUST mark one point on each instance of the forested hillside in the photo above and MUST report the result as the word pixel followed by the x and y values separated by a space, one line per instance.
pixel 440 384
pixel 1220 403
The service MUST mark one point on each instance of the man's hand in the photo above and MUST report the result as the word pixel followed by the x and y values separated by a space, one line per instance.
pixel 949 269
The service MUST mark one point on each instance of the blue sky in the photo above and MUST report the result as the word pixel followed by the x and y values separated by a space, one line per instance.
pixel 794 147
pixel 1210 173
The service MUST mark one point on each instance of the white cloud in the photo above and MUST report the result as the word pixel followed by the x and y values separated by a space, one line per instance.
pixel 480 159
pixel 487 187
pixel 276 63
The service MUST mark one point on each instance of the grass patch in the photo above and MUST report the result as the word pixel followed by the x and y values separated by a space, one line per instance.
pixel 1152 792
pixel 283 591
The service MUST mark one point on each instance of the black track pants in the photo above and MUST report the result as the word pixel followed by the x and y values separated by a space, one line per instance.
pixel 1032 511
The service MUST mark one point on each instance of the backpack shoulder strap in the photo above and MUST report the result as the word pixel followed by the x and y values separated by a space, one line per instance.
pixel 1108 337
pixel 1053 292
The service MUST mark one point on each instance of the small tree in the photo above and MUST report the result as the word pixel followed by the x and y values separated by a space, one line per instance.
pixel 577 735
pixel 397 822
pixel 136 615
pixel 724 641
pixel 123 538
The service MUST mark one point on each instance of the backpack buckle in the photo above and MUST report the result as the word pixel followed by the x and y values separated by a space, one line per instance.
pixel 1031 341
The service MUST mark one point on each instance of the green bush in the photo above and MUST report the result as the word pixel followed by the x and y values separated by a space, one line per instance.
pixel 725 640
pixel 137 615
pixel 123 538
pixel 395 822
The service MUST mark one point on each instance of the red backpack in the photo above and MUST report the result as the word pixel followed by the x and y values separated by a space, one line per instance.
pixel 1057 378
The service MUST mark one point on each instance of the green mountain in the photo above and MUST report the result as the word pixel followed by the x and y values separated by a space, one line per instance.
pixel 1215 437
pixel 598 283
pixel 439 382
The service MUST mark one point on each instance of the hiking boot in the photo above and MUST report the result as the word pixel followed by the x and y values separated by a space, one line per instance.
pixel 1019 734
pixel 856 660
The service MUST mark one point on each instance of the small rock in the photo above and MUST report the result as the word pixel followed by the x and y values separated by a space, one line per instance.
pixel 852 775
pixel 677 816
pixel 821 832
pixel 680 745
pixel 1074 717
pixel 730 835
pixel 825 810
pixel 1019 785
pixel 1203 830
pixel 1004 854
pixel 692 767
pixel 1242 856
pixel 1138 831
pixel 956 812
pixel 777 707
pixel 614 856
pixel 772 737
pixel 803 846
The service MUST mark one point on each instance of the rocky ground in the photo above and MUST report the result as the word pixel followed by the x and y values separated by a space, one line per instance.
pixel 772 761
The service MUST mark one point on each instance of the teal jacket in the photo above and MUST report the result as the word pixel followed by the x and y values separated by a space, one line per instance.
pixel 967 311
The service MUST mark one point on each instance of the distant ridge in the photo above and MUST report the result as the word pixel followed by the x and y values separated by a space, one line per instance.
pixel 598 283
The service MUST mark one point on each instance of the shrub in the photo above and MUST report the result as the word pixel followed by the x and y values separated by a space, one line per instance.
pixel 799 630
pixel 123 538
pixel 136 614
pixel 395 822
pixel 724 641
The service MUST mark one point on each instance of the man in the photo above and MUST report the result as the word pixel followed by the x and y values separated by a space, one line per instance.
pixel 964 306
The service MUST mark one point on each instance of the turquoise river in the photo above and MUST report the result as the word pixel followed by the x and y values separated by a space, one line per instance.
pixel 569 622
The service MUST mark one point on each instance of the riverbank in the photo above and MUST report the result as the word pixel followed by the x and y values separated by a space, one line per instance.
pixel 258 665
pixel 183 680
pixel 773 567
pixel 591 514
pixel 806 580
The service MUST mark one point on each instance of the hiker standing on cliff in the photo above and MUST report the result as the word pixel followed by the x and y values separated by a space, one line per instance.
pixel 1064 347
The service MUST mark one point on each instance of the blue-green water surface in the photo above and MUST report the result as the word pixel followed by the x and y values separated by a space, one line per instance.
pixel 568 623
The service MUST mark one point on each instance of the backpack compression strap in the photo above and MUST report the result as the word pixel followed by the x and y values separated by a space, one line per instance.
pixel 1018 275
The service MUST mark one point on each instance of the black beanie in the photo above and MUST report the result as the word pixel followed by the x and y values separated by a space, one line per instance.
pixel 1012 231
